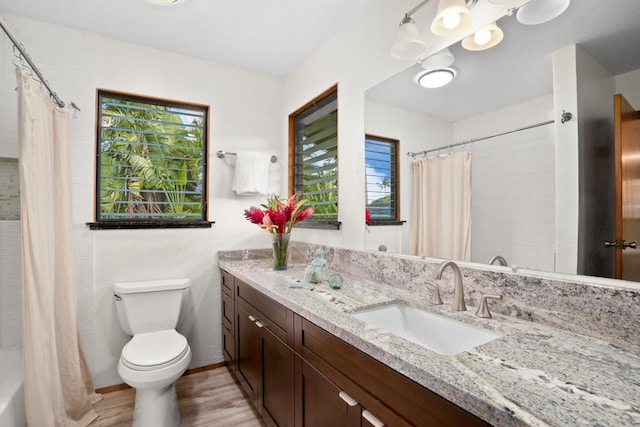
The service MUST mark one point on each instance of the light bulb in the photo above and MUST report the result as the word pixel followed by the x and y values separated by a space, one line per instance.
pixel 482 37
pixel 450 20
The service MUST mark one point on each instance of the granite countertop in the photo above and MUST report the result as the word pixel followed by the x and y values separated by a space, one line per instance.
pixel 533 375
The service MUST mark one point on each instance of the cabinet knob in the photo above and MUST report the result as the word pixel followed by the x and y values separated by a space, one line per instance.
pixel 372 419
pixel 348 399
pixel 259 325
pixel 253 319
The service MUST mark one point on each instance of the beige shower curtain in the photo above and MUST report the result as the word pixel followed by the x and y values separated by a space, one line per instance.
pixel 442 206
pixel 57 382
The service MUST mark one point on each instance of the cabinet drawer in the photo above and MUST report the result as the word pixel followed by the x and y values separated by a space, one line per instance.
pixel 226 282
pixel 270 309
pixel 406 398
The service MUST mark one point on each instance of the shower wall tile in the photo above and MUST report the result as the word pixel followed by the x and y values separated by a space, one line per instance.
pixel 10 285
pixel 9 190
pixel 513 188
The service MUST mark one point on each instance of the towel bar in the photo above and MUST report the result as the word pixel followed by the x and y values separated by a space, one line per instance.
pixel 221 155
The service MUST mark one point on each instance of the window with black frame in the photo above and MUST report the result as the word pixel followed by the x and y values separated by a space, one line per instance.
pixel 381 162
pixel 314 149
pixel 151 167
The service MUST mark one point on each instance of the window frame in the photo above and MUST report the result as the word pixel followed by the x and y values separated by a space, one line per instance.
pixel 312 222
pixel 394 178
pixel 145 223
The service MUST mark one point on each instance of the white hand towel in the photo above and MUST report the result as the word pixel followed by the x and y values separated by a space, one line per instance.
pixel 252 173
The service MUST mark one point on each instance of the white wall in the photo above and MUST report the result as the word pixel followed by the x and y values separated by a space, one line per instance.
pixel 357 58
pixel 565 93
pixel 245 114
pixel 248 110
pixel 628 84
pixel 513 184
pixel 513 178
pixel 416 132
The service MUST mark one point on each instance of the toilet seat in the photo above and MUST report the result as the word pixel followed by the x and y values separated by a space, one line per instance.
pixel 154 350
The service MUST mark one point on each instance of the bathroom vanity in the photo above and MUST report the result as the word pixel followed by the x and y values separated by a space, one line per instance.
pixel 303 358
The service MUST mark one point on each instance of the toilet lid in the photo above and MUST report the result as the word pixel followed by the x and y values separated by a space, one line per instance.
pixel 153 350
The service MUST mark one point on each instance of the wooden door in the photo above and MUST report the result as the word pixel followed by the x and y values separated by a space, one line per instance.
pixel 276 396
pixel 627 152
pixel 322 405
pixel 247 351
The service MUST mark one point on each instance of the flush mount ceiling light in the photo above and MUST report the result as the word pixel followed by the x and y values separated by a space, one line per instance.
pixel 442 59
pixel 540 11
pixel 453 17
pixel 485 38
pixel 408 43
pixel 436 78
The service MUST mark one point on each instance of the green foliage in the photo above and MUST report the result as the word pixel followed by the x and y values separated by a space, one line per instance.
pixel 151 162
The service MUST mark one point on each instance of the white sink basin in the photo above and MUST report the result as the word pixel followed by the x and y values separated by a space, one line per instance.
pixel 433 331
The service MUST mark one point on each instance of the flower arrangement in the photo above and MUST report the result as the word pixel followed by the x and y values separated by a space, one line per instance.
pixel 278 216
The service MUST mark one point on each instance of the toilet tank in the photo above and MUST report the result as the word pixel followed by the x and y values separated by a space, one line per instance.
pixel 151 305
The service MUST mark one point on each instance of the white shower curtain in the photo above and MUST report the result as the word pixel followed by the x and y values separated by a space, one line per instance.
pixel 57 382
pixel 442 206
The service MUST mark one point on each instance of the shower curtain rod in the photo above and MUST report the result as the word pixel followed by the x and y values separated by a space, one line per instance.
pixel 35 69
pixel 469 141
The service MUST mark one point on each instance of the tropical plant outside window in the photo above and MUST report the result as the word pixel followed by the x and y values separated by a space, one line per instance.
pixel 151 163
pixel 381 177
pixel 314 148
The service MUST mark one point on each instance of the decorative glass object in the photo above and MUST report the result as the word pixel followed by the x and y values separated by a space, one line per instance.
pixel 280 250
pixel 335 281
pixel 318 270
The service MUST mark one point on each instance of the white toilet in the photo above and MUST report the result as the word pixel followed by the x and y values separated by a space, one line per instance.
pixel 157 355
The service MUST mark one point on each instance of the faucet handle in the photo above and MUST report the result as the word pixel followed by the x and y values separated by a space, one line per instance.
pixel 483 308
pixel 435 296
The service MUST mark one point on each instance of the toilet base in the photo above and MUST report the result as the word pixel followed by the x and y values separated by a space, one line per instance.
pixel 156 407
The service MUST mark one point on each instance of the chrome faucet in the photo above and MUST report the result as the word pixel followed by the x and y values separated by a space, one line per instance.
pixel 500 259
pixel 458 294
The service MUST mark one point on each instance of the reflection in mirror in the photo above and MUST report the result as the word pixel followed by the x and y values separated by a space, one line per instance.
pixel 518 189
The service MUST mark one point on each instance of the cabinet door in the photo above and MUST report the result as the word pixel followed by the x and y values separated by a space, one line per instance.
pixel 323 403
pixel 276 397
pixel 247 351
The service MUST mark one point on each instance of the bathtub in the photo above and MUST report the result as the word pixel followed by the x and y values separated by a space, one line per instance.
pixel 12 413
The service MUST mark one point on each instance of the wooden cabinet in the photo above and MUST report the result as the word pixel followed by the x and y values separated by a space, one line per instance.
pixel 299 375
pixel 320 402
pixel 228 319
pixel 264 361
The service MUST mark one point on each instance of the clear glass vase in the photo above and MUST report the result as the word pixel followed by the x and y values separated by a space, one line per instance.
pixel 280 250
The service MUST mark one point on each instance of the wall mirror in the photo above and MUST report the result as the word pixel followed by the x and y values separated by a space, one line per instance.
pixel 497 92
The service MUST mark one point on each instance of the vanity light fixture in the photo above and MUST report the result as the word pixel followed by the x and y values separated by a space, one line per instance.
pixel 436 78
pixel 540 11
pixel 485 38
pixel 408 43
pixel 453 17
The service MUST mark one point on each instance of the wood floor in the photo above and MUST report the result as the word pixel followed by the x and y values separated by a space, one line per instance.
pixel 209 398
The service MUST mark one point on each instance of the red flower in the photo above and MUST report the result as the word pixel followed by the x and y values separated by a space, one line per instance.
pixel 254 215
pixel 367 216
pixel 303 214
pixel 278 216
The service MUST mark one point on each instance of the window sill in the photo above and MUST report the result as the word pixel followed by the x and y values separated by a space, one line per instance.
pixel 322 225
pixel 132 225
pixel 377 222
